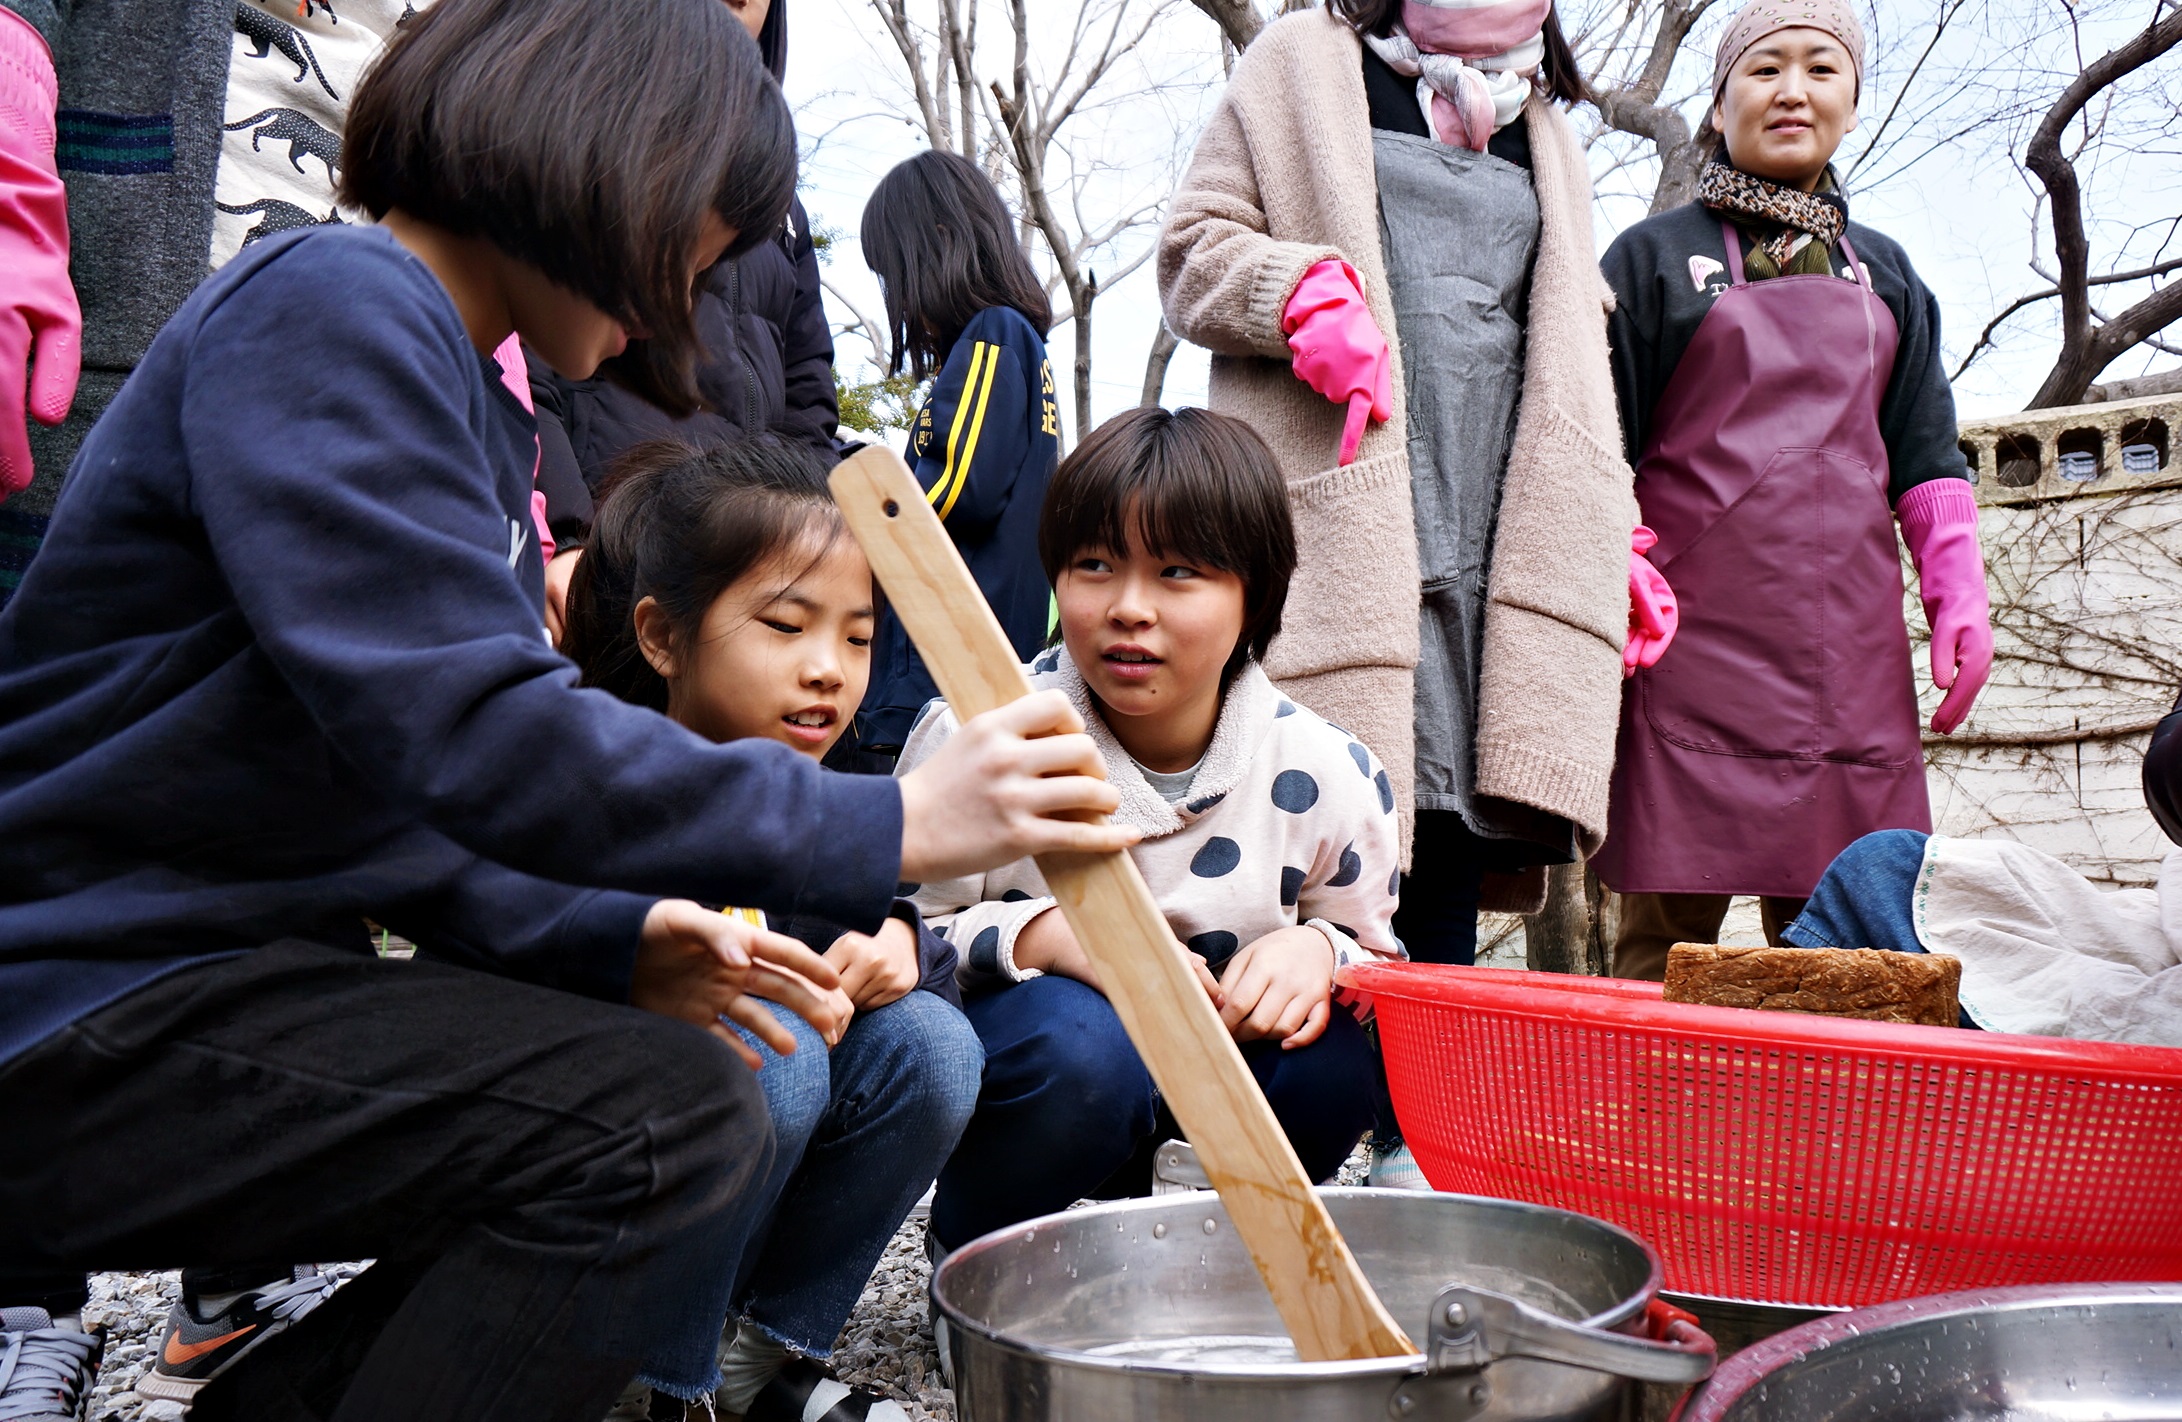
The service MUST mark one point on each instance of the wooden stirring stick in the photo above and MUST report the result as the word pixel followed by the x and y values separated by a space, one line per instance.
pixel 1323 1297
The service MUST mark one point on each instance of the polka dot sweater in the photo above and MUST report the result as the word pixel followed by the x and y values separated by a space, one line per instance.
pixel 1289 820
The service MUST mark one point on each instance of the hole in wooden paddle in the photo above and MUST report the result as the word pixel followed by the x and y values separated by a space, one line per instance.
pixel 891 508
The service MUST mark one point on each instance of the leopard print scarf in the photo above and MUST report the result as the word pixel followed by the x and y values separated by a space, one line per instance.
pixel 1781 216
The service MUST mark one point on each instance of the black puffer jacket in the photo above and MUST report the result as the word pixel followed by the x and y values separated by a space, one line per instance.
pixel 767 365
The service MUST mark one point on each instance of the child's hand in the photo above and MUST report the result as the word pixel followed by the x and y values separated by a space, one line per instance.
pixel 1002 788
pixel 829 1008
pixel 698 966
pixel 1281 987
pixel 1048 944
pixel 877 969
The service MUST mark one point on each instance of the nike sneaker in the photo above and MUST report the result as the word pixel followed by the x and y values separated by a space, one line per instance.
pixel 197 1349
pixel 45 1372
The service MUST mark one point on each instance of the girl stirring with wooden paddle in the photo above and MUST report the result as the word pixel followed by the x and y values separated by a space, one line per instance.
pixel 1782 399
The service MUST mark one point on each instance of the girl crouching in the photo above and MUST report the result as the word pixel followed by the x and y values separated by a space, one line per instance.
pixel 722 589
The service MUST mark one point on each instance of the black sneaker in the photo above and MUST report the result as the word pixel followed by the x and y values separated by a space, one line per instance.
pixel 805 1392
pixel 45 1372
pixel 196 1350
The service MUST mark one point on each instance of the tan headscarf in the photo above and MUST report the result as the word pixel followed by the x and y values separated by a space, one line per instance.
pixel 1760 18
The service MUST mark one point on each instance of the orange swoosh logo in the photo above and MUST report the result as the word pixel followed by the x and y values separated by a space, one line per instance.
pixel 178 1352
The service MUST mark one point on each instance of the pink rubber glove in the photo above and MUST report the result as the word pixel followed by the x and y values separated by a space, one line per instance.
pixel 515 374
pixel 38 311
pixel 1939 525
pixel 1339 351
pixel 1653 616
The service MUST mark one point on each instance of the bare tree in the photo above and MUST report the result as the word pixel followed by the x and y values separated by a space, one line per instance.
pixel 1083 199
pixel 1629 85
pixel 1238 20
pixel 939 58
pixel 2087 349
pixel 1033 114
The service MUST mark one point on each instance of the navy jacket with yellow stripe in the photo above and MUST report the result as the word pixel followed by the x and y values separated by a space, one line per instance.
pixel 983 446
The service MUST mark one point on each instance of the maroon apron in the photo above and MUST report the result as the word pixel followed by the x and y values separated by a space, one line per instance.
pixel 1782 722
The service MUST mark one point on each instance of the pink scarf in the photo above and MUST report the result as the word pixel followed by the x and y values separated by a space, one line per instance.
pixel 1475 57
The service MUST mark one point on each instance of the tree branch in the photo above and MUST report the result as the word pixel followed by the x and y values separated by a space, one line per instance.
pixel 2161 382
pixel 1634 108
pixel 2085 351
pixel 1984 337
pixel 2049 738
pixel 1239 24
pixel 1164 344
pixel 863 325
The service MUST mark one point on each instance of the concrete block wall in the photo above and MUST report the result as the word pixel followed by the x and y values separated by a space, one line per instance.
pixel 2081 519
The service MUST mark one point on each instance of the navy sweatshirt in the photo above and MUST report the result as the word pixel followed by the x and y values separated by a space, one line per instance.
pixel 1668 270
pixel 984 447
pixel 279 665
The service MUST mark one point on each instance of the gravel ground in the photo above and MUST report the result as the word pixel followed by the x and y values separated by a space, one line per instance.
pixel 886 1347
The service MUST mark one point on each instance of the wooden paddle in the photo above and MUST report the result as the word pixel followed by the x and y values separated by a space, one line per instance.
pixel 1322 1295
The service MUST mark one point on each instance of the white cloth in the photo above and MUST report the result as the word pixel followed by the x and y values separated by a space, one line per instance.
pixel 1504 79
pixel 2047 952
pixel 1290 821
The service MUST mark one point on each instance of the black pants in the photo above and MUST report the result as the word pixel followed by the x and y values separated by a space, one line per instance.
pixel 540 1177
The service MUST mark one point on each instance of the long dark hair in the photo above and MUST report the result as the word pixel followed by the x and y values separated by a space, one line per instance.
pixel 943 246
pixel 681 526
pixel 1558 75
pixel 589 140
pixel 1187 484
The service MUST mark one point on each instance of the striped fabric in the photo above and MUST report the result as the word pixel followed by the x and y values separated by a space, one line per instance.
pixel 120 144
pixel 968 424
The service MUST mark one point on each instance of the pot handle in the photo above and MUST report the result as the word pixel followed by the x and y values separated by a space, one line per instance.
pixel 1469 1328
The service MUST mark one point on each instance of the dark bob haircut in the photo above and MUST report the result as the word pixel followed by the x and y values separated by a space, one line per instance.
pixel 1557 72
pixel 943 246
pixel 588 139
pixel 1185 484
pixel 681 526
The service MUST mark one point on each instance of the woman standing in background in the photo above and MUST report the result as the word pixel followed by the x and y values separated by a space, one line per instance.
pixel 1379 172
pixel 1779 374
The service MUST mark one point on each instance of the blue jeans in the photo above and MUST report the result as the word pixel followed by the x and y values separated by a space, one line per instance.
pixel 860 1131
pixel 1862 900
pixel 1067 1103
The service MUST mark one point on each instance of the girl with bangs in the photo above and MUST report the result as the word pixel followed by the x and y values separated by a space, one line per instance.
pixel 1269 836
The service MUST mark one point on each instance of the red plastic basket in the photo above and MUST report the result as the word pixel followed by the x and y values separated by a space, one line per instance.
pixel 1785 1158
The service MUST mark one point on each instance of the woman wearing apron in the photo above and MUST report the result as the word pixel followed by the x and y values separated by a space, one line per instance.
pixel 1382 238
pixel 1782 397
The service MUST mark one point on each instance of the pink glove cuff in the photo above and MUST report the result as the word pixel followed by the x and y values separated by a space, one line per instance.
pixel 1321 288
pixel 1934 504
pixel 28 91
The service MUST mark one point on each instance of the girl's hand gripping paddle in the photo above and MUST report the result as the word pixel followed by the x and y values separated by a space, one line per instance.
pixel 1322 1295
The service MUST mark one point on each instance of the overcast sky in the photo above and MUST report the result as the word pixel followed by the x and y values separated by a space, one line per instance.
pixel 1963 212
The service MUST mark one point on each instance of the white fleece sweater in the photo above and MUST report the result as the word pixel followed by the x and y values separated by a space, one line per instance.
pixel 1290 820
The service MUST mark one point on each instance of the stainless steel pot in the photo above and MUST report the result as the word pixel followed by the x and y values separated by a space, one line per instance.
pixel 1151 1309
pixel 2070 1352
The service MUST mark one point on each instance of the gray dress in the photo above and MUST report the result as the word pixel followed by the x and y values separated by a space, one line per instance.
pixel 1459 230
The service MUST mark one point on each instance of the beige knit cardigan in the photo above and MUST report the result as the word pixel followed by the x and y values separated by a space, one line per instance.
pixel 1282 178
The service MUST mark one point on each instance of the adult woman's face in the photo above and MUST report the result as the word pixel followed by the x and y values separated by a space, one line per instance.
pixel 1788 103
